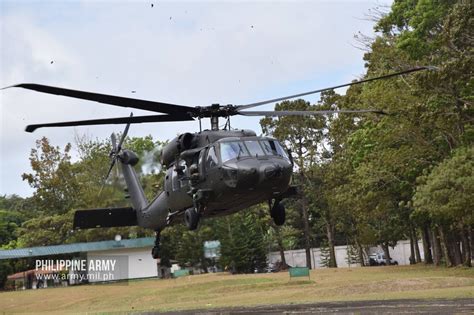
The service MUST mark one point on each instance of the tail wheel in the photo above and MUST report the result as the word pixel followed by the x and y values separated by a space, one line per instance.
pixel 191 218
pixel 278 213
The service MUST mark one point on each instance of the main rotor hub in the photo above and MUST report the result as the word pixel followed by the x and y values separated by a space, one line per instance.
pixel 215 110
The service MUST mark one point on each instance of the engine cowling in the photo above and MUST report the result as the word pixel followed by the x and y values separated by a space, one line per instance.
pixel 171 151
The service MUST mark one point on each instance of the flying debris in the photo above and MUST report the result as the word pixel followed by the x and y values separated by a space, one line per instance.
pixel 208 173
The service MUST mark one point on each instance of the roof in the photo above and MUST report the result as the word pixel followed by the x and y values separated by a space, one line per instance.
pixel 22 274
pixel 212 244
pixel 76 248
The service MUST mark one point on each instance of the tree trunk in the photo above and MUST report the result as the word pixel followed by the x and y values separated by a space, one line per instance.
pixel 412 248
pixel 280 247
pixel 444 247
pixel 466 247
pixel 331 242
pixel 417 247
pixel 386 251
pixel 426 245
pixel 456 250
pixel 307 243
pixel 436 246
pixel 471 238
pixel 361 254
pixel 304 205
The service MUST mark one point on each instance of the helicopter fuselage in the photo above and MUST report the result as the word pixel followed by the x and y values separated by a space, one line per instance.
pixel 234 172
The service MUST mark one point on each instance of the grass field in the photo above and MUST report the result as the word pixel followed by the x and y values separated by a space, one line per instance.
pixel 222 290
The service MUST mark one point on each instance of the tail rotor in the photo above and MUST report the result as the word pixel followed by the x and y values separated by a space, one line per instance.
pixel 116 150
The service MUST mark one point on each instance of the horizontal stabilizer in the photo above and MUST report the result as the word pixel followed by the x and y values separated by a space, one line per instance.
pixel 107 217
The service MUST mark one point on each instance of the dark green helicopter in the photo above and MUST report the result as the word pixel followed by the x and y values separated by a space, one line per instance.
pixel 209 173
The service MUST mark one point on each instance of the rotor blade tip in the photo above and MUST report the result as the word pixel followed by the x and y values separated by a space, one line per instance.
pixel 30 128
pixel 10 86
pixel 432 68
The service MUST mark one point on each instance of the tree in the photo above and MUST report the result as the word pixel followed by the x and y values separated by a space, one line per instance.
pixel 301 135
pixel 9 223
pixel 447 195
pixel 243 246
pixel 53 178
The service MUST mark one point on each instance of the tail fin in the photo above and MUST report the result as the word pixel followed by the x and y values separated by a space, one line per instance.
pixel 105 217
pixel 135 190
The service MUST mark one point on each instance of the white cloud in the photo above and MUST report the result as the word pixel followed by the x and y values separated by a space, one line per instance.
pixel 206 53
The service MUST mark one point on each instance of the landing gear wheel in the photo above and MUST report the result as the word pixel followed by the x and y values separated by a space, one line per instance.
pixel 191 218
pixel 155 251
pixel 278 213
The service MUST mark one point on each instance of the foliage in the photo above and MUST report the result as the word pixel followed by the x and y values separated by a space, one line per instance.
pixel 446 194
pixel 53 178
pixel 243 248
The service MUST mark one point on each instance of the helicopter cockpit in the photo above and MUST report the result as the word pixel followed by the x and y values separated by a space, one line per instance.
pixel 242 163
pixel 262 148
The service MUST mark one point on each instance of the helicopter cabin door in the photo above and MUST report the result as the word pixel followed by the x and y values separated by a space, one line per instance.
pixel 211 164
pixel 177 186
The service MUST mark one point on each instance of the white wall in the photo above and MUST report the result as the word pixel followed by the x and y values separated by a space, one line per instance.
pixel 297 258
pixel 139 260
pixel 401 252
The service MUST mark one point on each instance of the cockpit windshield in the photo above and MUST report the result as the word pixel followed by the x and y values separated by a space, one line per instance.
pixel 256 148
pixel 232 150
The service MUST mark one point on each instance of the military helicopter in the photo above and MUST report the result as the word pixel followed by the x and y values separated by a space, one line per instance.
pixel 209 173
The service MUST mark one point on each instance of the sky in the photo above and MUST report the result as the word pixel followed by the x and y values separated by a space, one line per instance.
pixel 192 53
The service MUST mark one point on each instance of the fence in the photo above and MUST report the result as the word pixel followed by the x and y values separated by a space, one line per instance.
pixel 297 257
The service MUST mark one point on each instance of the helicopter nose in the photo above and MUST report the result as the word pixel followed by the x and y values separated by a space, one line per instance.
pixel 273 171
pixel 248 177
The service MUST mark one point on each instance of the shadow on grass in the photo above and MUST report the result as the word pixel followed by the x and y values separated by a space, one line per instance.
pixel 300 282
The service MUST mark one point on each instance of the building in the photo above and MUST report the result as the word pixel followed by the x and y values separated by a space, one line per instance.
pixel 130 259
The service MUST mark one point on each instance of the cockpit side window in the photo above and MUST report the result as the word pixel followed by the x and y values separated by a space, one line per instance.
pixel 281 151
pixel 269 147
pixel 211 160
pixel 231 150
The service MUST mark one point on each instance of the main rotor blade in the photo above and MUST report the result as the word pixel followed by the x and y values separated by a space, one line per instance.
pixel 124 134
pixel 333 87
pixel 158 107
pixel 308 113
pixel 111 121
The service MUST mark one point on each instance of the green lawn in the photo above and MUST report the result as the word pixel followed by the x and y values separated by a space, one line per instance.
pixel 222 289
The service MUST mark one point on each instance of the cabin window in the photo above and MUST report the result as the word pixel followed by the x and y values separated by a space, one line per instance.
pixel 177 178
pixel 212 160
pixel 232 150
pixel 175 181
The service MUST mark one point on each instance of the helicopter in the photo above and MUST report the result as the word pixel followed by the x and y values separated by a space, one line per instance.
pixel 209 173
